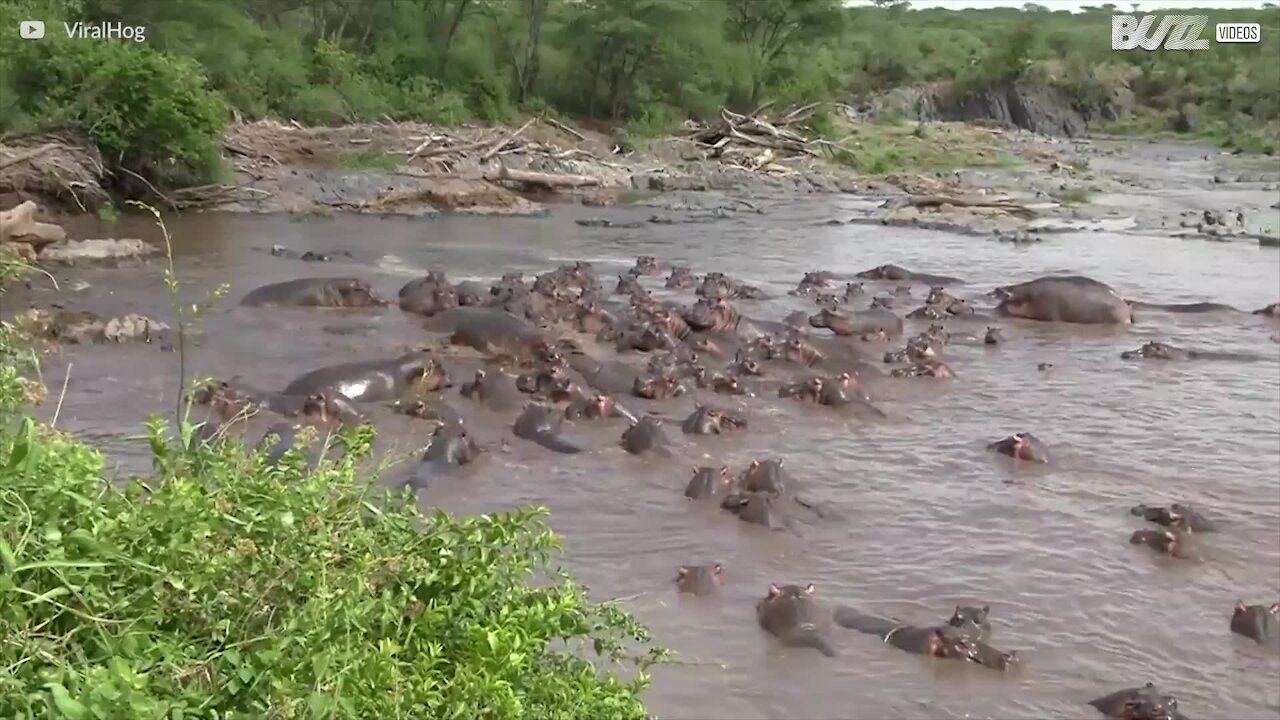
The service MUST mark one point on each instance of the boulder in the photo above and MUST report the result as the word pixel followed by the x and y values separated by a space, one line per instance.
pixel 19 225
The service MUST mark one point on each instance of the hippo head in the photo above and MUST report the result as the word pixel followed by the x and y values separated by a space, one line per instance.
pixel 460 447
pixel 937 294
pixel 852 290
pixel 780 593
pixel 699 579
pixel 604 404
pixel 428 375
pixel 748 366
pixel 357 293
pixel 323 407
pixel 212 392
pixel 965 615
pixel 823 318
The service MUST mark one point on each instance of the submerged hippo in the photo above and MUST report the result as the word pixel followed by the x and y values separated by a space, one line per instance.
pixel 451 447
pixel 542 425
pixel 488 330
pixel 496 390
pixel 700 579
pixel 681 277
pixel 596 407
pixel 857 323
pixel 1272 311
pixel 1139 703
pixel 757 508
pixel 1196 307
pixel 1257 622
pixel 428 295
pixel 1022 446
pixel 1164 351
pixel 901 274
pixel 792 615
pixel 994 336
pixel 644 436
pixel 1065 298
pixel 706 420
pixel 1170 542
pixel 1175 515
pixel 315 292
pixel 375 380
pixel 940 641
pixel 231 398
pixel 708 482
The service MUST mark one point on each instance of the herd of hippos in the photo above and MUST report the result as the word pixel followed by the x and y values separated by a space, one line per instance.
pixel 539 329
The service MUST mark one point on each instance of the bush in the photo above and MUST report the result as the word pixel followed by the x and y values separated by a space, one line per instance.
pixel 231 589
pixel 146 110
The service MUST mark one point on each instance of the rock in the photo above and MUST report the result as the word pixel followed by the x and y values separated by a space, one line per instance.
pixel 73 251
pixel 84 327
pixel 19 225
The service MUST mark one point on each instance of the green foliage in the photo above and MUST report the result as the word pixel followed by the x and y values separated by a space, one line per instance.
pixel 643 64
pixel 370 160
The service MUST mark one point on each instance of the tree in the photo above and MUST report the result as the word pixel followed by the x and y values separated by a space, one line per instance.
pixel 770 27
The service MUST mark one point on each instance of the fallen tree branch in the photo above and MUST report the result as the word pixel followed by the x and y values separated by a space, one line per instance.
pixel 502 143
pixel 23 157
pixel 557 124
pixel 920 201
pixel 547 180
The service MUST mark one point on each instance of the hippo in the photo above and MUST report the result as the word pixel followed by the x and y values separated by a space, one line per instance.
pixel 841 390
pixel 858 323
pixel 806 390
pixel 1176 515
pixel 648 338
pixel 487 330
pixel 746 366
pixel 658 388
pixel 1164 351
pixel 435 409
pixel 1065 298
pixel 315 292
pixel 674 323
pixel 1044 366
pixel 613 377
pixel 451 447
pixel 645 435
pixel 1271 311
pixel 828 300
pixel 646 265
pixel 792 615
pixel 993 337
pixel 681 278
pixel 971 622
pixel 1139 703
pixel 712 316
pixel 927 312
pixel 425 299
pixel 701 580
pixel 375 380
pixel 1196 307
pixel 728 385
pixel 765 476
pixel 1022 446
pixel 925 368
pixel 716 285
pixel 706 420
pixel 940 641
pixel 1257 622
pixel 231 398
pixel 628 285
pixel 757 508
pixel 901 274
pixel 541 382
pixel 496 391
pixel 541 424
pixel 798 350
pixel 708 482
pixel 594 407
pixel 1170 542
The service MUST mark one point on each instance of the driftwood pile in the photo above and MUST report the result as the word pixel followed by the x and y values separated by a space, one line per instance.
pixel 757 142
pixel 58 165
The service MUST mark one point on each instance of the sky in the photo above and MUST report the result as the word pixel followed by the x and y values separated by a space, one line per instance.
pixel 1143 5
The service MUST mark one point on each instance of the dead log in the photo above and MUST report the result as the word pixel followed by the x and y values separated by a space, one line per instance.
pixel 921 201
pixel 551 181
pixel 503 142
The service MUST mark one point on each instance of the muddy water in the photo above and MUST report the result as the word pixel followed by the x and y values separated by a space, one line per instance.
pixel 927 519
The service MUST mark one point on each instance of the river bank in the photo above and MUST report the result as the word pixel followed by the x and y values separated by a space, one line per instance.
pixel 1018 187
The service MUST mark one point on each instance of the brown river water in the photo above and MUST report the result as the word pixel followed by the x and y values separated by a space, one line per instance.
pixel 926 518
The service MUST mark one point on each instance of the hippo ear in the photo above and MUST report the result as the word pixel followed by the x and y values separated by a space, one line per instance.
pixel 809 589
pixel 1240 608
pixel 695 469
pixel 1274 609
pixel 682 572
pixel 780 461
pixel 717 569
pixel 986 610
pixel 774 590
pixel 957 612
pixel 724 469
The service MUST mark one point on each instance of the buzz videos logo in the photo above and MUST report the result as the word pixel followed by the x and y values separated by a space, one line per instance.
pixel 31 29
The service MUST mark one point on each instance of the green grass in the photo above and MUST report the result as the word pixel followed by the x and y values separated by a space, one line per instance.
pixel 369 160
pixel 886 148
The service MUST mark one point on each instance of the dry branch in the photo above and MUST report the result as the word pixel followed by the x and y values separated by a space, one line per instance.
pixel 546 180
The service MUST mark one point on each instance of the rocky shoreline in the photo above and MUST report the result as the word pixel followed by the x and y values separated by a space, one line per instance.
pixel 1050 184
